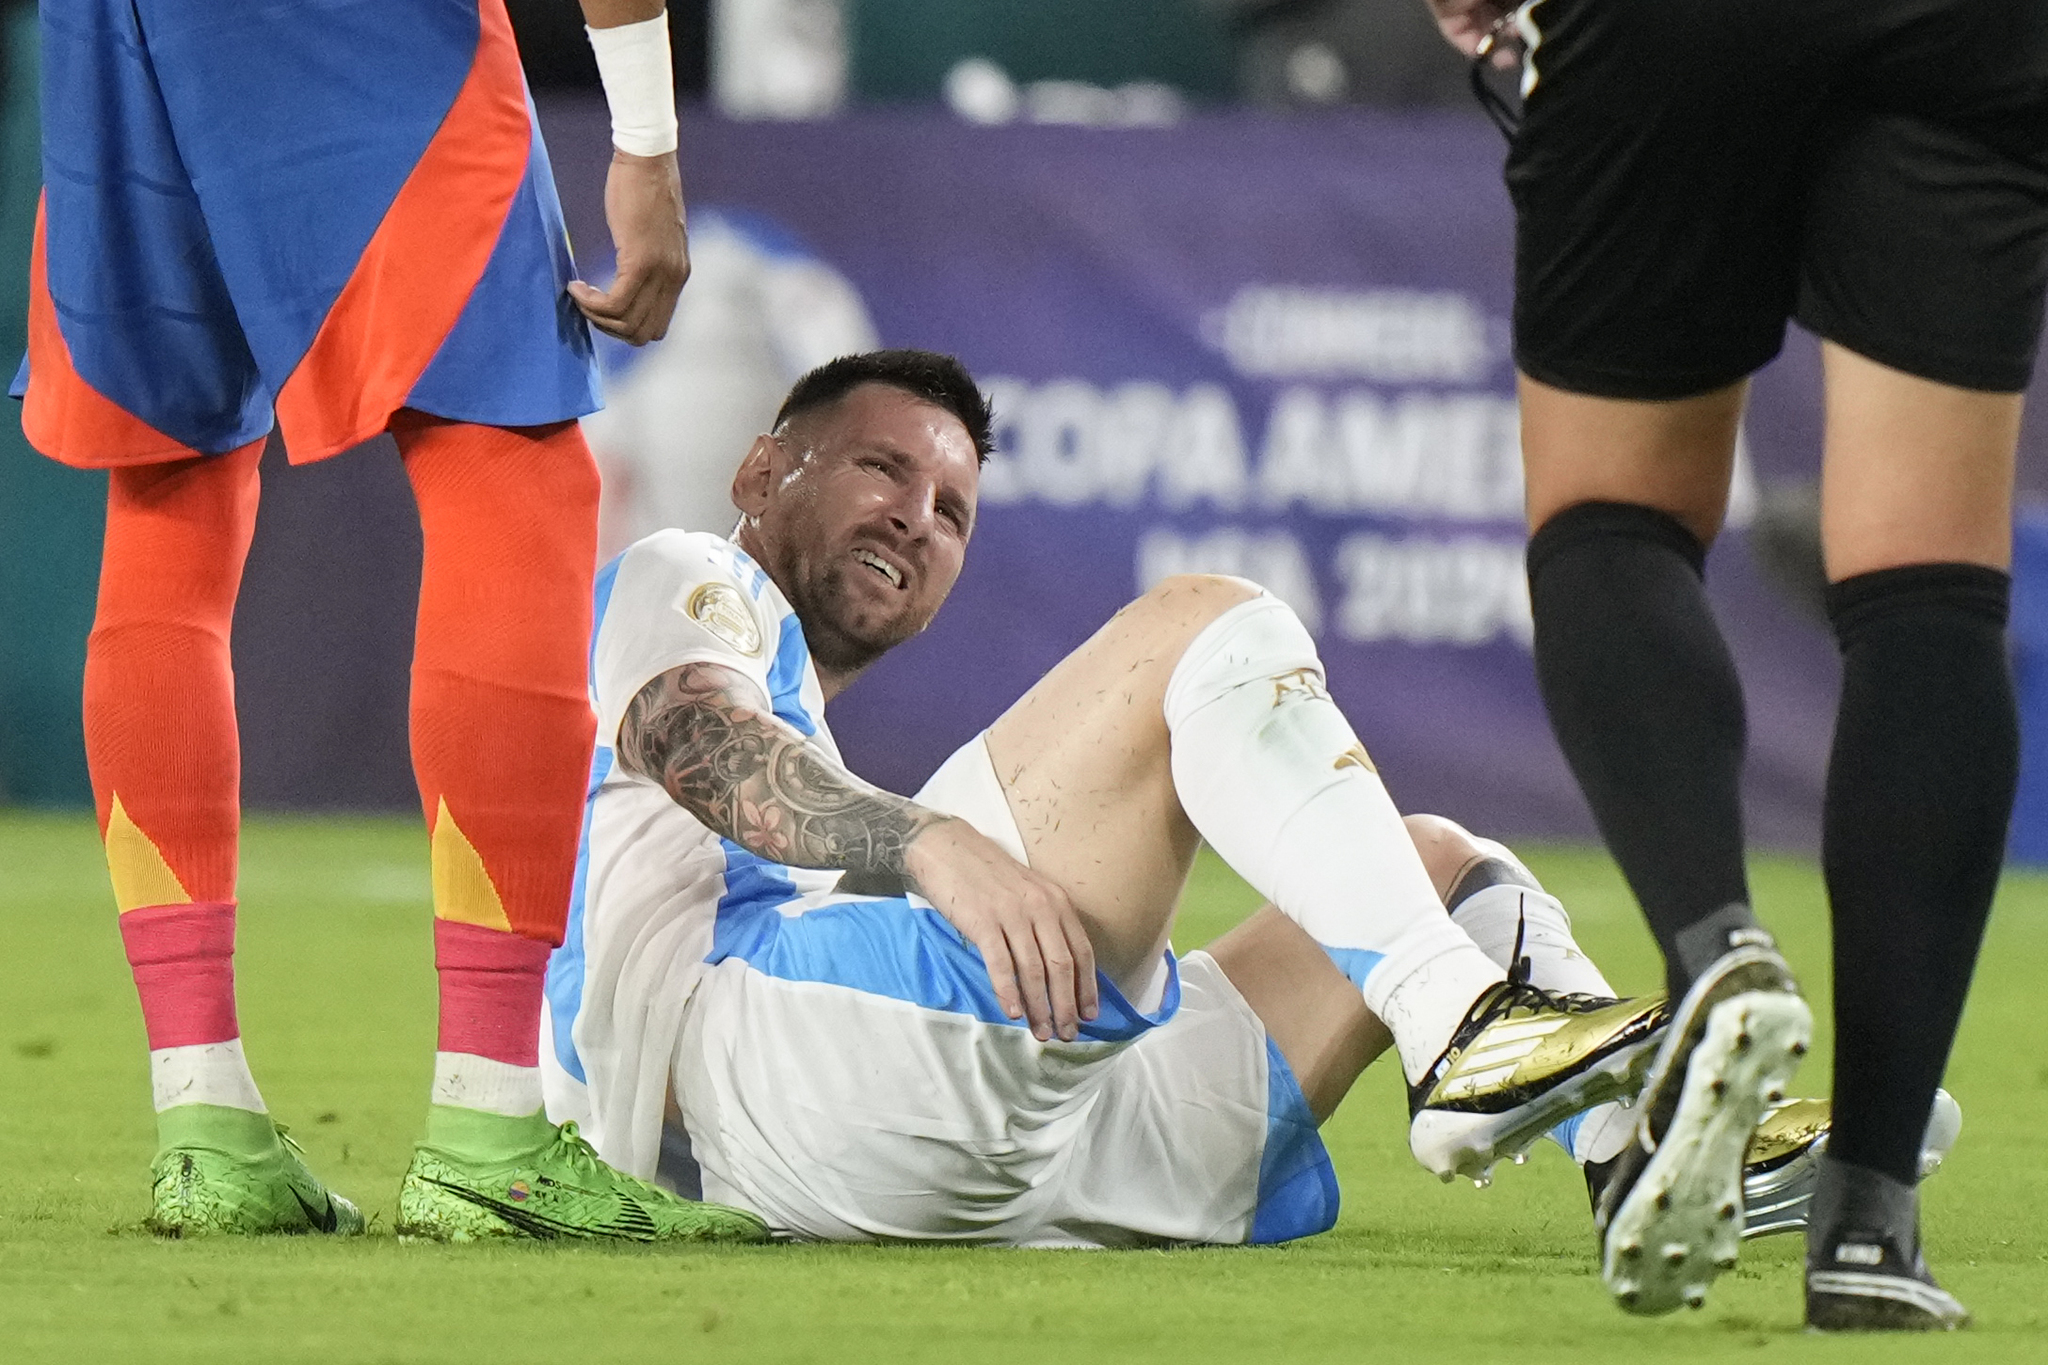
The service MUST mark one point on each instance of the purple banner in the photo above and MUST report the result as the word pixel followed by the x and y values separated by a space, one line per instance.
pixel 1266 346
pixel 1263 346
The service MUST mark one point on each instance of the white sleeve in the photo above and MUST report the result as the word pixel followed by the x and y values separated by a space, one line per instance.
pixel 676 598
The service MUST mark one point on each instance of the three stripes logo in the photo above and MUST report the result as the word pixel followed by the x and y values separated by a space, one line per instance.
pixel 1492 1061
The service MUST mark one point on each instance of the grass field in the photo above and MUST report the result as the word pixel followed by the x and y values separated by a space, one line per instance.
pixel 337 1004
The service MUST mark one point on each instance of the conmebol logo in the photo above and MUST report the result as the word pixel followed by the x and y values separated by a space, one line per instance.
pixel 1390 335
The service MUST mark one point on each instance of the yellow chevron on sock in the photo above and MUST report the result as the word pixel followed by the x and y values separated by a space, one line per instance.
pixel 140 874
pixel 463 889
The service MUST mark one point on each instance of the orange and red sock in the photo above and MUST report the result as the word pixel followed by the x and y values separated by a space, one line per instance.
pixel 501 727
pixel 165 759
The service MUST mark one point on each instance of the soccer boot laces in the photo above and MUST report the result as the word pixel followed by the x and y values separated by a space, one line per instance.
pixel 1783 1162
pixel 1523 1061
pixel 1670 1219
pixel 198 1189
pixel 561 1189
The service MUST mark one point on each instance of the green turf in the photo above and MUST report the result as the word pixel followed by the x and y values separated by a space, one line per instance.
pixel 337 1006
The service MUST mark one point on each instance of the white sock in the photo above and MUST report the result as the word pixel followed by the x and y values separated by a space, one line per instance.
pixel 203 1073
pixel 1273 776
pixel 466 1081
pixel 1493 917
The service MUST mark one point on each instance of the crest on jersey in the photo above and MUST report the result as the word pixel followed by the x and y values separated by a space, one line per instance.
pixel 719 608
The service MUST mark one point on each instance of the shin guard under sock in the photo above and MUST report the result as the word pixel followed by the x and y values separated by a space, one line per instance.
pixel 1919 792
pixel 1645 702
pixel 165 760
pixel 1273 776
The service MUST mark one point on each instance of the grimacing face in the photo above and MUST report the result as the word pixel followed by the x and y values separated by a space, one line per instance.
pixel 861 511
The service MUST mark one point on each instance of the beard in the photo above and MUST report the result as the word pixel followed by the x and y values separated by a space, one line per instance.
pixel 835 639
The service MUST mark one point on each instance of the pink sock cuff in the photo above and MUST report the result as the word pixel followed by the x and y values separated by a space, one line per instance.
pixel 183 958
pixel 491 985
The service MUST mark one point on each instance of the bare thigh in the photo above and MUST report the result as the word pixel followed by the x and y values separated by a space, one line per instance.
pixel 1915 472
pixel 1084 761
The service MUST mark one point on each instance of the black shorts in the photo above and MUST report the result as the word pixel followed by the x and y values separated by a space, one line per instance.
pixel 1691 173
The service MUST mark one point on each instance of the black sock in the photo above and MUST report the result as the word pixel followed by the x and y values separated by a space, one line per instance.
pixel 1644 699
pixel 1920 790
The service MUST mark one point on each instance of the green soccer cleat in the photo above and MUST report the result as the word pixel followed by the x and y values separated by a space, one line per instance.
pixel 560 1189
pixel 222 1170
pixel 1523 1061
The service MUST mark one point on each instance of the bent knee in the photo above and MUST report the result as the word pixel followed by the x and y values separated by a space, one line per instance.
pixel 1191 600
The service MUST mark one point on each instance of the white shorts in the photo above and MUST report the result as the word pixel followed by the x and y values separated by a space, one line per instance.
pixel 847 1074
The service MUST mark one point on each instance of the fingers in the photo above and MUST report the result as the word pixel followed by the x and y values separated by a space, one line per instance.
pixel 1030 977
pixel 1090 998
pixel 1060 985
pixel 1002 972
pixel 636 310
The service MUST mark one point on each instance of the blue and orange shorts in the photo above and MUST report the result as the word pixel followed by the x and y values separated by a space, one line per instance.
pixel 305 214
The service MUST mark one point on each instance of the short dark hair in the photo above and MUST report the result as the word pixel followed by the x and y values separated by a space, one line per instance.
pixel 931 376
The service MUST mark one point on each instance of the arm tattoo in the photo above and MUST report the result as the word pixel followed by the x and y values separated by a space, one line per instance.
pixel 706 735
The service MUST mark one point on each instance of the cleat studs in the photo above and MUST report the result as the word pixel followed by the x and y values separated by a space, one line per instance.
pixel 1628 1298
pixel 1720 1088
pixel 1798 1049
pixel 1663 1200
pixel 1742 1041
pixel 1521 1158
pixel 1632 1250
pixel 1775 1096
pixel 1727 1213
pixel 1695 1297
pixel 1448 1176
pixel 1724 1263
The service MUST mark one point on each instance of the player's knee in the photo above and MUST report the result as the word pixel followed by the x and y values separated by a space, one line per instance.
pixel 1194 599
pixel 1446 847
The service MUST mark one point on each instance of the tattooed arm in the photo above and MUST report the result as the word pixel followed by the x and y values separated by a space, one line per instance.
pixel 709 737
pixel 706 734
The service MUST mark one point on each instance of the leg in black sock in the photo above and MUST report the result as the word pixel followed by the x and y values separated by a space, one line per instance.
pixel 1920 789
pixel 1646 705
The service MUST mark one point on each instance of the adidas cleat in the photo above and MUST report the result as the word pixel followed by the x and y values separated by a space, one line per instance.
pixel 1670 1218
pixel 1524 1061
pixel 1862 1282
pixel 236 1179
pixel 1783 1161
pixel 561 1189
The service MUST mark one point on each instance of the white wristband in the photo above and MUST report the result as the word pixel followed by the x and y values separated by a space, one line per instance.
pixel 639 84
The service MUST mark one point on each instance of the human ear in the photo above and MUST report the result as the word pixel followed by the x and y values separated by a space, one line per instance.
pixel 755 477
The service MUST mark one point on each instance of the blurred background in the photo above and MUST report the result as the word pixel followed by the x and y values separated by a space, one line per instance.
pixel 1237 274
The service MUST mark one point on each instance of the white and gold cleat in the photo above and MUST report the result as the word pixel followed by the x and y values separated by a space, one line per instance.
pixel 1524 1061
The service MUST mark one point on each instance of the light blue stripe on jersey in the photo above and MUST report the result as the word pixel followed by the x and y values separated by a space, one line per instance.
pixel 607 579
pixel 565 964
pixel 1356 963
pixel 786 677
pixel 885 946
pixel 1297 1184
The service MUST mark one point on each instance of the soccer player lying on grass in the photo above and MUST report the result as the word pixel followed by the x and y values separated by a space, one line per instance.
pixel 958 1017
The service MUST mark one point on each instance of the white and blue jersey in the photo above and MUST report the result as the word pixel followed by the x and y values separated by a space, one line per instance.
pixel 839 1063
